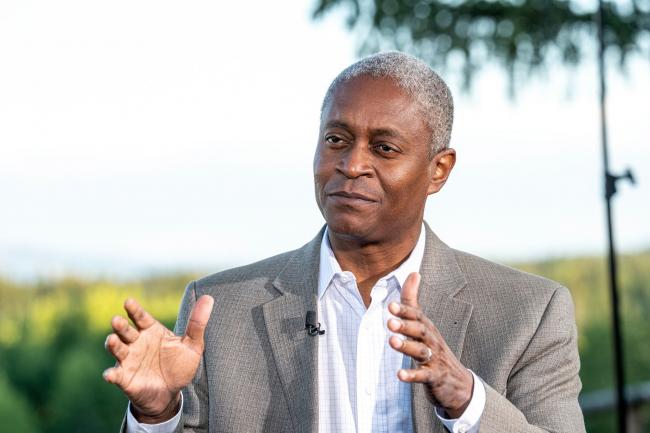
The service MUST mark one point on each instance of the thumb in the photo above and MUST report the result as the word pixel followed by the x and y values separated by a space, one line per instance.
pixel 197 322
pixel 409 294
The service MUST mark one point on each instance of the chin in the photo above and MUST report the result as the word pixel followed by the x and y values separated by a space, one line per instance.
pixel 352 227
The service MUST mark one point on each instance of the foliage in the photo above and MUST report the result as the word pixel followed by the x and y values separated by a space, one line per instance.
pixel 521 35
pixel 587 279
pixel 52 334
pixel 51 350
pixel 15 411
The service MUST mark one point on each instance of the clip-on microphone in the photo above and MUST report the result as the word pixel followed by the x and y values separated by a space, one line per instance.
pixel 313 327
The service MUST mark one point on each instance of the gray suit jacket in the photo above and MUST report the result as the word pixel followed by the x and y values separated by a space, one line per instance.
pixel 259 371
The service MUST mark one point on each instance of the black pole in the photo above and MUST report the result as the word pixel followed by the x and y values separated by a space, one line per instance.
pixel 610 190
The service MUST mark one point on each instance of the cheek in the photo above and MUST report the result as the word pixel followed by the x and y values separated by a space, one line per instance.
pixel 319 159
pixel 321 176
pixel 407 186
pixel 323 167
pixel 318 175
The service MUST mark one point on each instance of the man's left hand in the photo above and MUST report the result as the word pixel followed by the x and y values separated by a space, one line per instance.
pixel 449 383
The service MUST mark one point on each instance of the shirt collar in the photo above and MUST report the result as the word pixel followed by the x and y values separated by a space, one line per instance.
pixel 329 266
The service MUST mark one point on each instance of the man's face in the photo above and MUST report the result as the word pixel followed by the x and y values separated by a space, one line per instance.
pixel 372 171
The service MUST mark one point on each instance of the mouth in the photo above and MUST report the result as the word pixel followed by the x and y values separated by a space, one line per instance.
pixel 350 197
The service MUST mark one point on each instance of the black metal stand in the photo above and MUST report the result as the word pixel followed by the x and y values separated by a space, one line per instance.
pixel 610 190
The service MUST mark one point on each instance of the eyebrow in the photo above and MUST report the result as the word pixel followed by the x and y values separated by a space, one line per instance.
pixel 337 124
pixel 386 132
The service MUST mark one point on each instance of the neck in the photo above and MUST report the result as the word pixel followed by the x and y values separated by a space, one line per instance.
pixel 369 261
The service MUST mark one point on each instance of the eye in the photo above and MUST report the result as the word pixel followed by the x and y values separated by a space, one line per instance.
pixel 385 148
pixel 333 139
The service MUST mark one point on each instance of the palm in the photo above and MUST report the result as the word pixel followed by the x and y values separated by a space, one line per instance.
pixel 159 364
pixel 154 364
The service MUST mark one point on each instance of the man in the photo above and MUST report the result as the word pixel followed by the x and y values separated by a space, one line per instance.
pixel 418 337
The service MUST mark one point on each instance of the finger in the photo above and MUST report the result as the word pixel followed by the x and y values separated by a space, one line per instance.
pixel 414 329
pixel 140 317
pixel 197 322
pixel 409 293
pixel 126 332
pixel 116 347
pixel 113 375
pixel 411 313
pixel 416 375
pixel 407 312
pixel 420 352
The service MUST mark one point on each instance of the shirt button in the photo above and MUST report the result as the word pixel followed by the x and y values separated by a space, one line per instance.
pixel 462 428
pixel 368 390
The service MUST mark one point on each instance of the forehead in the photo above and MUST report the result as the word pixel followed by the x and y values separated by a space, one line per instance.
pixel 372 102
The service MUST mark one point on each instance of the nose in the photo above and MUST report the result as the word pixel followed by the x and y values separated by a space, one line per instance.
pixel 355 161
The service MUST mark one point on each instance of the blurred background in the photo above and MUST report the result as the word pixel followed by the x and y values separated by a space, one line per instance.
pixel 145 144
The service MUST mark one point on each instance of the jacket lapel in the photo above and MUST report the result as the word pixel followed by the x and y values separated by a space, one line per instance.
pixel 442 279
pixel 294 352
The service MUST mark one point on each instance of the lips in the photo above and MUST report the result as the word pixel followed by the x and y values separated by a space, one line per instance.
pixel 351 197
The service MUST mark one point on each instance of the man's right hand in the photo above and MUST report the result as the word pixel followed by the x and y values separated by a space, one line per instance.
pixel 154 364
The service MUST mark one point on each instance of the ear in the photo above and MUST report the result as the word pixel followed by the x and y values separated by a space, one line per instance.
pixel 440 168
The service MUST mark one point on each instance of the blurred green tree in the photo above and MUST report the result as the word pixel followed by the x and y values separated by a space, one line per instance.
pixel 522 36
pixel 79 400
pixel 15 410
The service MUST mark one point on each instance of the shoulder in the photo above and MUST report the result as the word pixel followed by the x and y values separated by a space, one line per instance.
pixel 513 313
pixel 498 277
pixel 258 282
pixel 261 272
pixel 498 288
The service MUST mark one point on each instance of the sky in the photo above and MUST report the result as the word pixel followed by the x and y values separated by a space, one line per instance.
pixel 156 136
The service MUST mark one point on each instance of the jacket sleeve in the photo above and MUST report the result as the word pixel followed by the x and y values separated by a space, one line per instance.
pixel 195 395
pixel 543 387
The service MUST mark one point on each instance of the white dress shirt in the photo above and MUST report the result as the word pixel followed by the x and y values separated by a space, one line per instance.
pixel 358 388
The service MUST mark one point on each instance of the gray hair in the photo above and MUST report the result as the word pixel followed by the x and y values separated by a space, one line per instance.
pixel 419 81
